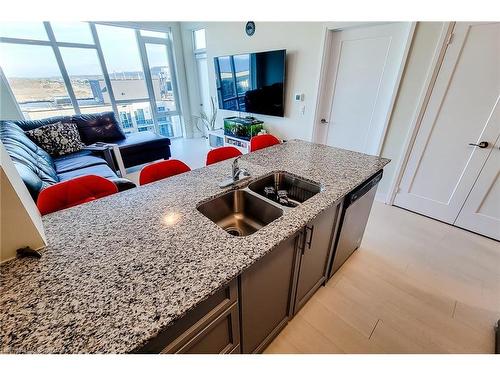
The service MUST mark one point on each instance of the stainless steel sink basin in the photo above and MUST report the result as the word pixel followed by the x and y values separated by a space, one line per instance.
pixel 239 212
pixel 297 189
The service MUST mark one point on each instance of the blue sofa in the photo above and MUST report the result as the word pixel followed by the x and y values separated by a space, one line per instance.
pixel 39 170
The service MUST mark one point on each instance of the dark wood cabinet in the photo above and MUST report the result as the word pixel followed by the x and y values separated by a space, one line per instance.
pixel 212 327
pixel 266 291
pixel 315 247
pixel 220 336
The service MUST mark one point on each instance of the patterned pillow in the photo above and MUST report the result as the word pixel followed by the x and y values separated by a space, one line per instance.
pixel 57 139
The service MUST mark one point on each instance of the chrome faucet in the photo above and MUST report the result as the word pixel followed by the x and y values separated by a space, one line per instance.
pixel 237 174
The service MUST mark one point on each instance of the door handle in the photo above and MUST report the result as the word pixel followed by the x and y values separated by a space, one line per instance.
pixel 323 121
pixel 482 144
pixel 311 231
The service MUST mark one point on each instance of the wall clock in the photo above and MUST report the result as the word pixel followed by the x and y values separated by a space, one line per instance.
pixel 250 28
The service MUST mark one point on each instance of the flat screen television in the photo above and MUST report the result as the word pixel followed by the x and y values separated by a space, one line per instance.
pixel 252 82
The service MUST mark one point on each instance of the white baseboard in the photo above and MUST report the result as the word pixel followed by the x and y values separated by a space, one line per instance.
pixel 381 197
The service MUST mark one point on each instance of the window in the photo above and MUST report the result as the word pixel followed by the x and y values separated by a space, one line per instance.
pixel 136 117
pixel 154 34
pixel 119 46
pixel 161 77
pixel 23 30
pixel 202 69
pixel 38 88
pixel 72 32
pixel 199 39
pixel 87 80
pixel 63 68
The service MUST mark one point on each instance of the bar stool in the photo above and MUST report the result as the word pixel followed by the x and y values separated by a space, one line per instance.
pixel 262 141
pixel 73 192
pixel 222 153
pixel 162 169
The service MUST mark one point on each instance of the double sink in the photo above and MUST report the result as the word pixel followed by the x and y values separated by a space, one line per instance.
pixel 244 211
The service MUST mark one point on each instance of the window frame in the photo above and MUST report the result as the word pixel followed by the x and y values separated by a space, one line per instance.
pixel 141 44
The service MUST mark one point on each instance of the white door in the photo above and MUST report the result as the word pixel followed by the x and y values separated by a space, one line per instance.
pixel 367 62
pixel 462 109
pixel 481 211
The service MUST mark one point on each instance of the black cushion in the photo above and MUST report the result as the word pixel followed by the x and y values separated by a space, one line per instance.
pixel 143 147
pixel 33 124
pixel 98 127
pixel 77 160
pixel 102 170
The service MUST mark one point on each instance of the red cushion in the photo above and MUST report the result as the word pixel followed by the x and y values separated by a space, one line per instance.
pixel 74 192
pixel 162 169
pixel 222 153
pixel 263 141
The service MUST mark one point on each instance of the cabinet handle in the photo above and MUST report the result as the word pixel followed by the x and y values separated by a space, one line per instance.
pixel 311 231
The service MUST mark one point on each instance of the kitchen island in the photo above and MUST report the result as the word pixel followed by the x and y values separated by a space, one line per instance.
pixel 119 271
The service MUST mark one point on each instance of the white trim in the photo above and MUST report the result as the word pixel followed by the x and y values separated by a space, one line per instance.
pixel 397 84
pixel 325 59
pixel 430 79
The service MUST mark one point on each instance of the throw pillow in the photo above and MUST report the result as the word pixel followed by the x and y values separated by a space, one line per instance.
pixel 57 139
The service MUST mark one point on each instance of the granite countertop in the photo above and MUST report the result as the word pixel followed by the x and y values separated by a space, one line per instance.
pixel 118 270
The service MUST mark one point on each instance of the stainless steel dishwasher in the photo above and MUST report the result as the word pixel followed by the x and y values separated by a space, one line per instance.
pixel 354 216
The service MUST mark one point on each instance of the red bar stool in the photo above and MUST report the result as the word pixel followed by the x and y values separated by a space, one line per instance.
pixel 73 192
pixel 222 153
pixel 263 141
pixel 162 169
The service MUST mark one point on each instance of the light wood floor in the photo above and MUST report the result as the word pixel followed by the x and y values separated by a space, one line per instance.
pixel 414 286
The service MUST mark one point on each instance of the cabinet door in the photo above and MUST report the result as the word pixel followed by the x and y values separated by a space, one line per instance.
pixel 221 336
pixel 315 250
pixel 265 297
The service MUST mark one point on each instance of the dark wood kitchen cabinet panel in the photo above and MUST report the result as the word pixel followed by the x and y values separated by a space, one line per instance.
pixel 315 247
pixel 266 291
pixel 211 327
pixel 221 336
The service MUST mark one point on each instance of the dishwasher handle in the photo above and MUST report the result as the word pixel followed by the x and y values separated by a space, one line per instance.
pixel 363 189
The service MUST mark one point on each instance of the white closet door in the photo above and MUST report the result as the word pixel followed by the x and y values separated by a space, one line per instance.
pixel 481 211
pixel 463 109
pixel 366 64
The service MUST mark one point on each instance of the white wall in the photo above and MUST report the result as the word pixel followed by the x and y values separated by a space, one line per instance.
pixel 304 44
pixel 20 221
